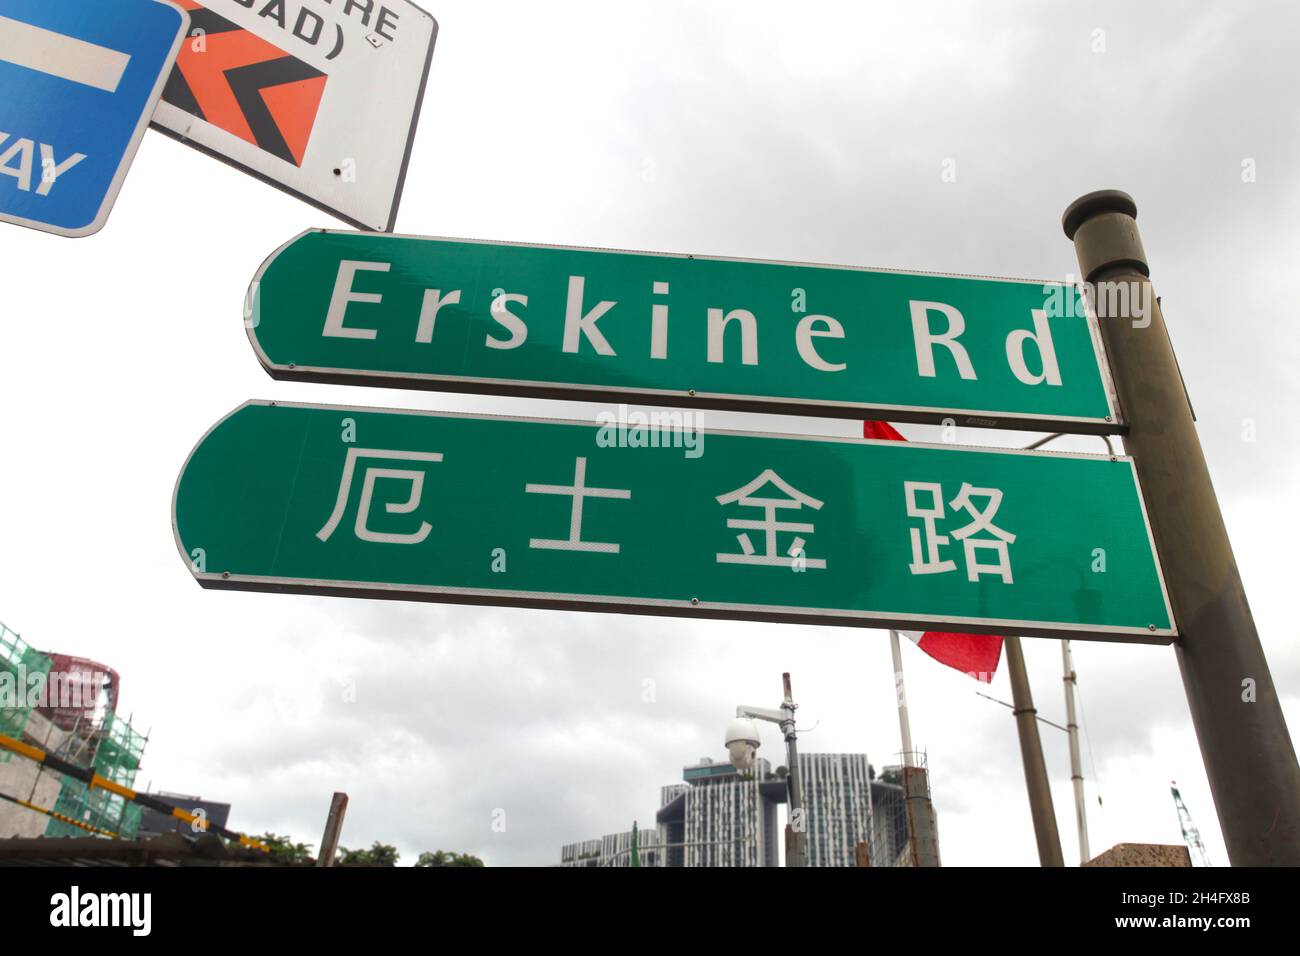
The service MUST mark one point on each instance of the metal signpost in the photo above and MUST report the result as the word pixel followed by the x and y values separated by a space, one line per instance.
pixel 680 330
pixel 317 98
pixel 445 507
pixel 79 80
pixel 1249 758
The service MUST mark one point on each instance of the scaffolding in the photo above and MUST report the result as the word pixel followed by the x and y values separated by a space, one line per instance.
pixel 904 831
pixel 119 748
pixel 76 700
pixel 19 661
pixel 889 840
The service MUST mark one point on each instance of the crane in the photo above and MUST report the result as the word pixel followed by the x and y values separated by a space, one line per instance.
pixel 1191 835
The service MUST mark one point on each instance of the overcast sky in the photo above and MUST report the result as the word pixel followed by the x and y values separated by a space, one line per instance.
pixel 811 132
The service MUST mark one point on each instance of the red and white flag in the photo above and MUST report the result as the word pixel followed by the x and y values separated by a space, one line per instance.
pixel 973 654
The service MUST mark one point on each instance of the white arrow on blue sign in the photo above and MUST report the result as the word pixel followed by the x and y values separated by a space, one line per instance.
pixel 79 81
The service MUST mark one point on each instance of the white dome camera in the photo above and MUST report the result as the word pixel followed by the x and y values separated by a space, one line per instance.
pixel 742 741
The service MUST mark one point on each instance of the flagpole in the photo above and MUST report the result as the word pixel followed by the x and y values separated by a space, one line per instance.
pixel 922 838
pixel 1076 765
pixel 904 725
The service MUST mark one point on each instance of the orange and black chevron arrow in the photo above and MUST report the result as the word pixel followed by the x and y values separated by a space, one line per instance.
pixel 247 86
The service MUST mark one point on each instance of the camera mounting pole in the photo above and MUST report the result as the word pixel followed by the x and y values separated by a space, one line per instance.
pixel 796 829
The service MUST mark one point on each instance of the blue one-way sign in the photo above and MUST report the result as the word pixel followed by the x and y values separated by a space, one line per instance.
pixel 79 81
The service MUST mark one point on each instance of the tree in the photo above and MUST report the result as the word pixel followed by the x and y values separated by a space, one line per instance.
pixel 380 854
pixel 892 775
pixel 443 858
pixel 284 850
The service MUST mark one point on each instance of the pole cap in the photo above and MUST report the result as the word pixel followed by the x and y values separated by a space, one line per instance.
pixel 1095 203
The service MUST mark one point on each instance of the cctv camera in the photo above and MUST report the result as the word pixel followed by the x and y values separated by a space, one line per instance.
pixel 742 754
pixel 742 741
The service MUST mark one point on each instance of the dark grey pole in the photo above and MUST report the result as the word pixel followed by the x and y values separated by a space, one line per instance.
pixel 796 834
pixel 1031 752
pixel 1248 754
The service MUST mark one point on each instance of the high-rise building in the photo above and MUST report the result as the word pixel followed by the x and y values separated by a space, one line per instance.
pixel 728 819
pixel 614 849
pixel 837 807
pixel 719 817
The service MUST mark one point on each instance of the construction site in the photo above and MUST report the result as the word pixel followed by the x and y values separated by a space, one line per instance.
pixel 73 717
pixel 68 768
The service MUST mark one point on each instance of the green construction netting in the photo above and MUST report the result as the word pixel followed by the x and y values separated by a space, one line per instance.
pixel 18 662
pixel 117 758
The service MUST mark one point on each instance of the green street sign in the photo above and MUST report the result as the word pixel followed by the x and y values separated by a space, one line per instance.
pixel 683 331
pixel 647 518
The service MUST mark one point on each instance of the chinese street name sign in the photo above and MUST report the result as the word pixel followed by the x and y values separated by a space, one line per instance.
pixel 679 330
pixel 79 80
pixel 457 508
pixel 317 97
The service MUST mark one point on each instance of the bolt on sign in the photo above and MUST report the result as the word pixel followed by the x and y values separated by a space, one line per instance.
pixel 317 97
pixel 508 511
pixel 680 330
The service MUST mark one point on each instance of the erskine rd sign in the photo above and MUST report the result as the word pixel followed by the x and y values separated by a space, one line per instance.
pixel 592 324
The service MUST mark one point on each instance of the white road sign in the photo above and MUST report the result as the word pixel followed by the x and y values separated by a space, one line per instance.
pixel 317 97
